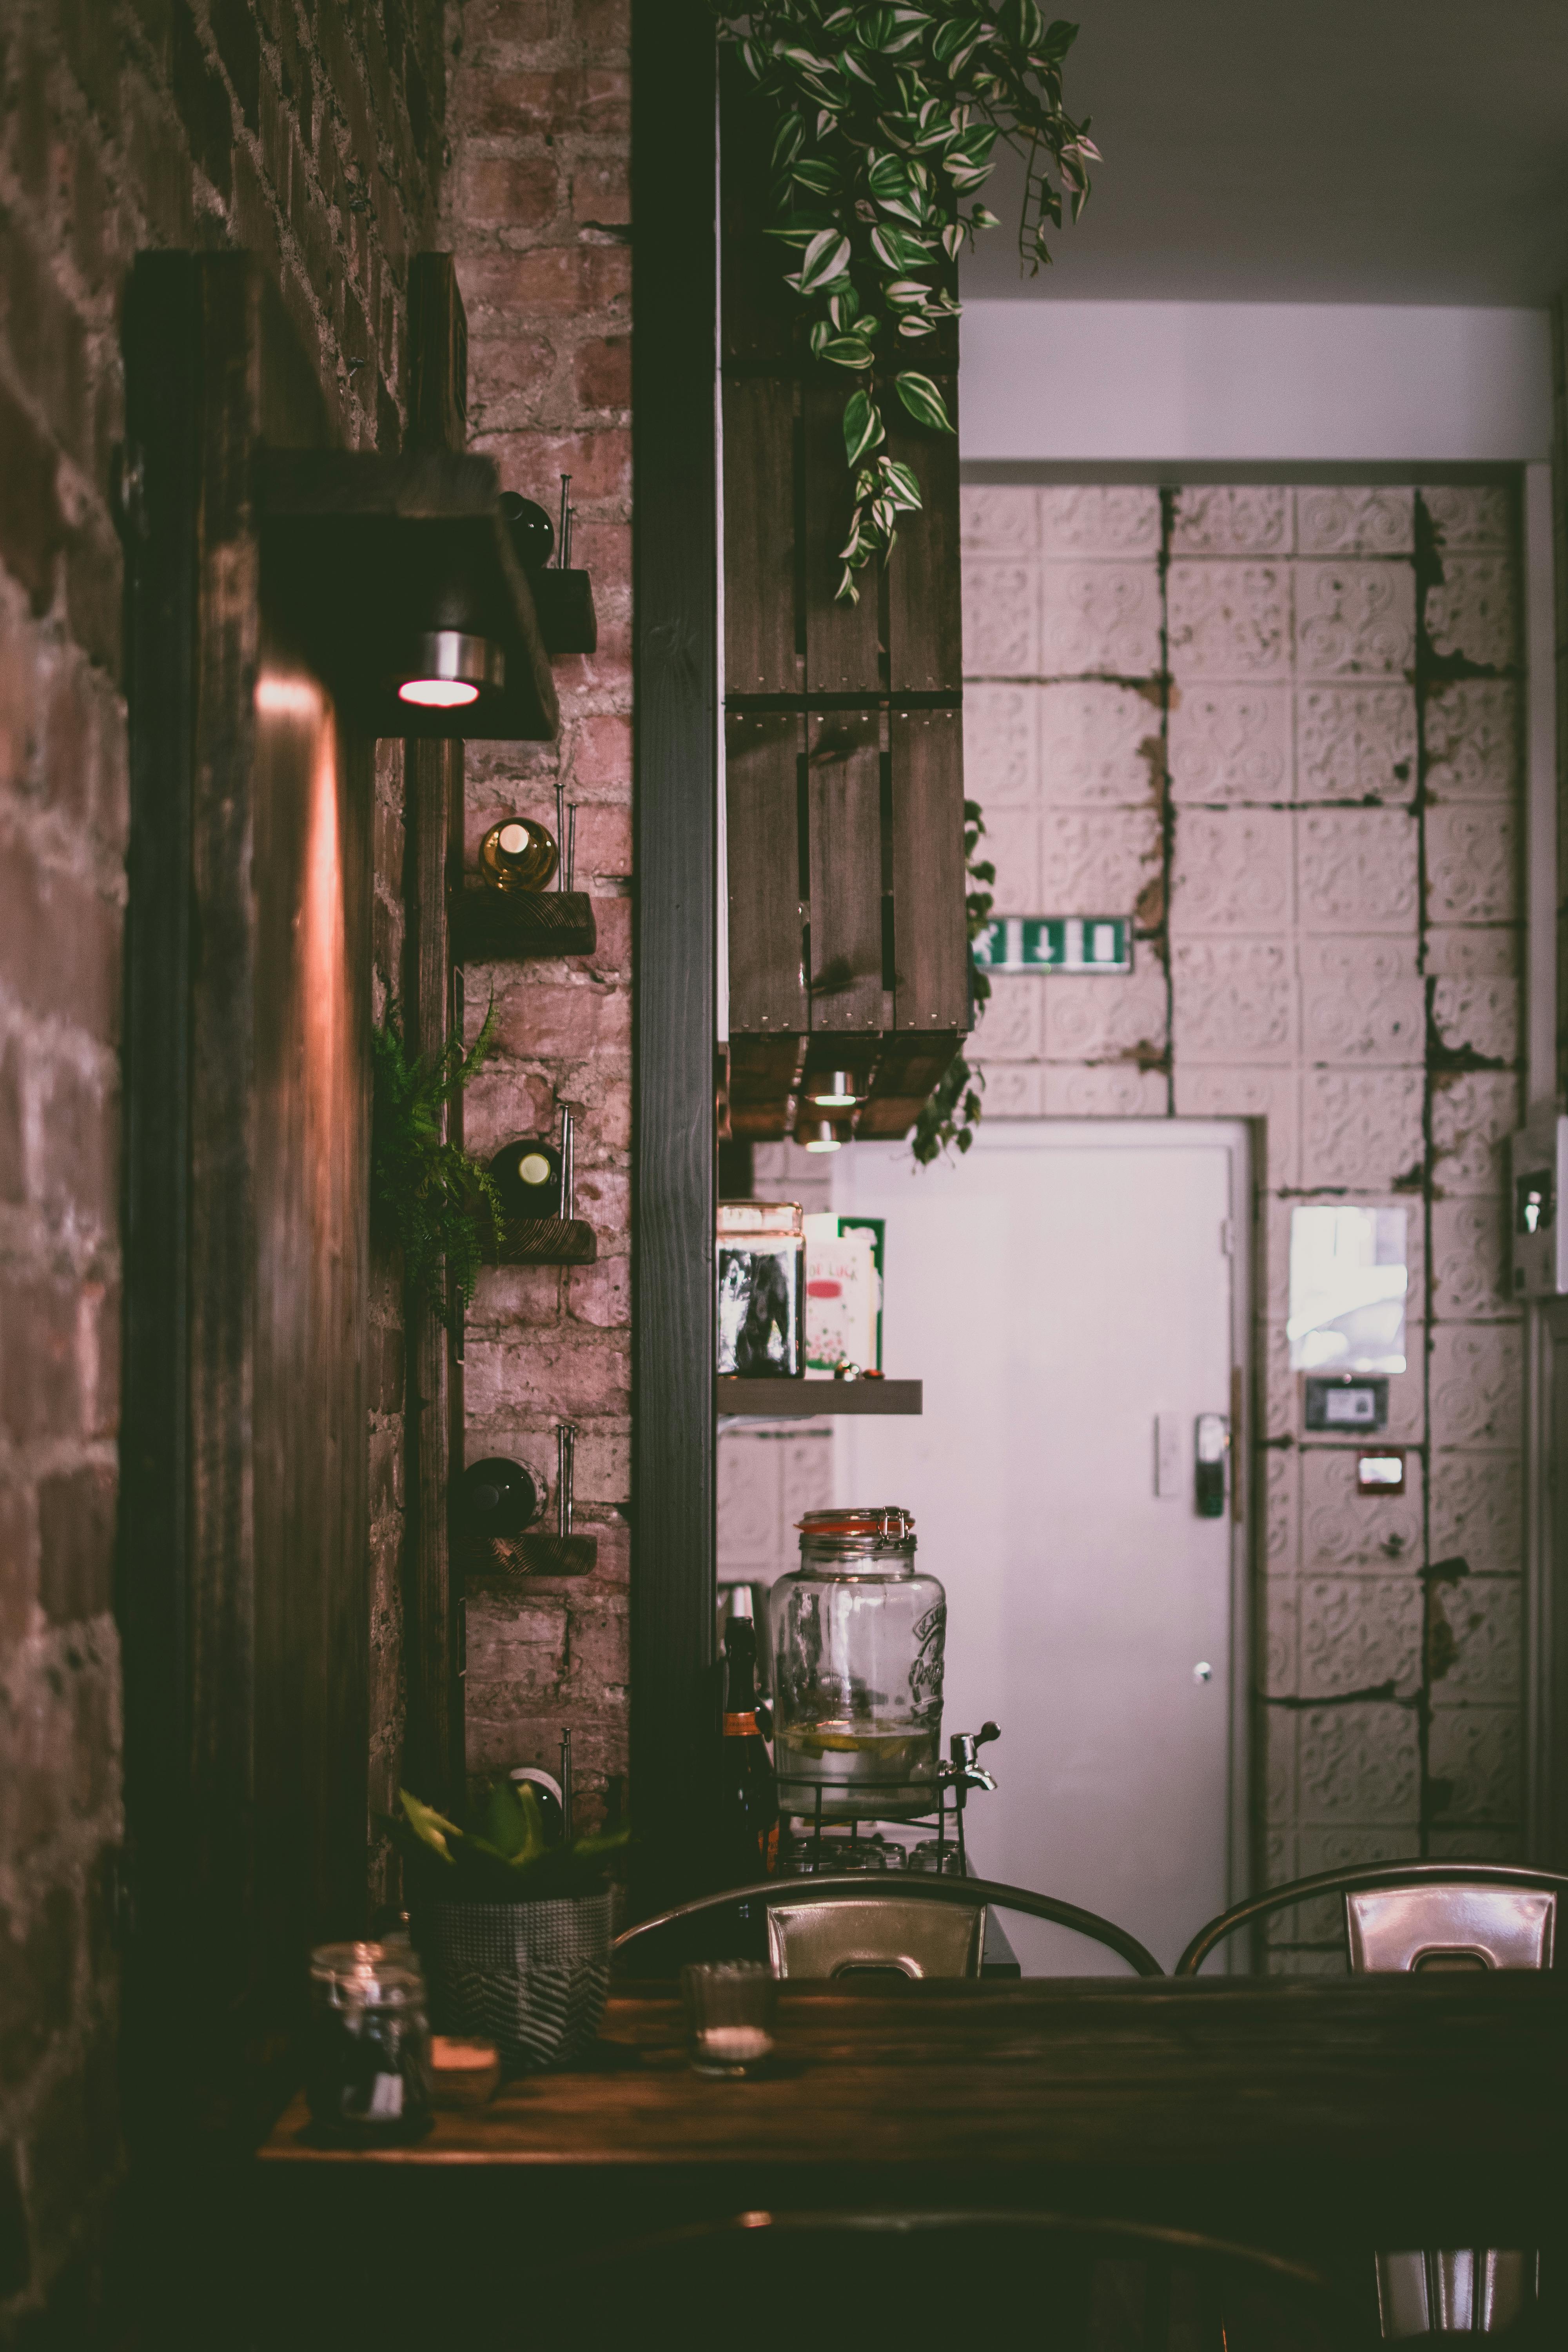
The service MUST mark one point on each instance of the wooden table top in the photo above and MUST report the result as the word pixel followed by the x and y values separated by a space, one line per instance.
pixel 1416 2074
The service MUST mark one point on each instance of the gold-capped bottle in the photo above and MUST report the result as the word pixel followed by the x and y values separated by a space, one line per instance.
pixel 519 853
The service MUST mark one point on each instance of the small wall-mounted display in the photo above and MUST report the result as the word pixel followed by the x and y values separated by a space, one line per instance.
pixel 1381 1472
pixel 1086 943
pixel 843 1294
pixel 1347 1407
pixel 1348 1282
pixel 761 1288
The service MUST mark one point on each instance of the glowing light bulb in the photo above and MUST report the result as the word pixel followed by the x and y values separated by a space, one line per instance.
pixel 438 693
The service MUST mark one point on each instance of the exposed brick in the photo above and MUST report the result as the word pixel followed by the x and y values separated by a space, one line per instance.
pixel 601 1293
pixel 546 278
pixel 606 101
pixel 18 1566
pixel 13 1163
pixel 202 99
pixel 603 25
pixel 76 1545
pixel 603 841
pixel 36 1973
pixel 40 1390
pixel 600 464
pixel 605 373
pixel 602 195
pixel 509 105
pixel 519 191
pixel 59 943
pixel 32 527
pixel 76 1166
pixel 613 922
pixel 601 754
pixel 543 1021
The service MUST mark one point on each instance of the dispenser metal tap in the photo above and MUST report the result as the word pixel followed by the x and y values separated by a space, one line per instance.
pixel 963 1773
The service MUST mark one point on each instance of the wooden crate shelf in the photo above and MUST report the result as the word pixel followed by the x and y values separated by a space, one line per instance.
pixel 546 1241
pixel 504 926
pixel 786 1400
pixel 533 1553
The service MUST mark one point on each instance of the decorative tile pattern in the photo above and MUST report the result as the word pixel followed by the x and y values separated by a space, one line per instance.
pixel 999 518
pixel 1001 754
pixel 807 1484
pixel 1012 1026
pixel 1361 1128
pixel 1232 871
pixel 1359 1764
pixel 1480 1013
pixel 1229 620
pixel 1472 863
pixel 1478 1511
pixel 1477 1385
pixel 1282 1386
pixel 1341 1529
pixel 1232 519
pixel 1280 1629
pixel 1282 1511
pixel 1358 1632
pixel 1096 862
pixel 1269 1094
pixel 1090 1020
pixel 1474 1112
pixel 1474 1758
pixel 1104 1090
pixel 1099 519
pixel 1322 1922
pixel 1013 847
pixel 750 1499
pixel 1355 740
pixel 1473 1843
pixel 1356 869
pixel 1235 1001
pixel 1363 1000
pixel 1231 743
pixel 1407 1389
pixel 1474 612
pixel 1472 732
pixel 1014 1090
pixel 1474 1646
pixel 1282 1765
pixel 1097 620
pixel 1472 951
pixel 1100 745
pixel 1470 514
pixel 1354 620
pixel 1470 1271
pixel 1001 617
pixel 1355 520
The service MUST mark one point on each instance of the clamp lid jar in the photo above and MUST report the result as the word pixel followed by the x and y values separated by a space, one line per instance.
pixel 858 1670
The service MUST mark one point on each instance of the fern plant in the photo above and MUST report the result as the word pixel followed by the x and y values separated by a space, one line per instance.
pixel 886 118
pixel 429 1197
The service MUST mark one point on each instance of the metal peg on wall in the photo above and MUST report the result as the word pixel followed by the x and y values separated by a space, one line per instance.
pixel 568 1167
pixel 565 1452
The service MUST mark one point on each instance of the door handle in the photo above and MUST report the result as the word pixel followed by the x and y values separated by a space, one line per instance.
pixel 1213 1452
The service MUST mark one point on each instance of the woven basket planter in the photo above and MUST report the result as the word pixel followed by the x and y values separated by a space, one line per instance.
pixel 530 1977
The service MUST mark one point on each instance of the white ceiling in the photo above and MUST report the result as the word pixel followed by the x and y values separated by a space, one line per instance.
pixel 1311 151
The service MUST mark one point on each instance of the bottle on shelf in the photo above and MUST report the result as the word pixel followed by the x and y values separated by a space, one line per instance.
pixel 497 1497
pixel 748 1795
pixel 527 1174
pixel 519 853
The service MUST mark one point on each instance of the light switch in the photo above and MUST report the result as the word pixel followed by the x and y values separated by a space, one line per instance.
pixel 1169 1451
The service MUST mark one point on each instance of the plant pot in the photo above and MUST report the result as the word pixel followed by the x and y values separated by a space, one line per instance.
pixel 530 1977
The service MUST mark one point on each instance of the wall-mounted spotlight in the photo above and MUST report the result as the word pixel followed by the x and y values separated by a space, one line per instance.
pixel 836 1089
pixel 448 668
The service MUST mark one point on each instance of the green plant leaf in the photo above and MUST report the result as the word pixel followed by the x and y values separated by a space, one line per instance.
pixel 432 1828
pixel 824 259
pixel 862 426
pixel 923 401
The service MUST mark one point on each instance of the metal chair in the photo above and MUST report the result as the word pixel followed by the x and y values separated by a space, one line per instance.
pixel 1410 1917
pixel 842 1927
pixel 1058 2282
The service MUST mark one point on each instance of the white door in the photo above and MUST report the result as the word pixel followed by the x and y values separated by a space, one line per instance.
pixel 1069 1291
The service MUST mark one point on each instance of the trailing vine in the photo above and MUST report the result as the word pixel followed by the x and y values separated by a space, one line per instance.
pixel 888 117
pixel 427 1196
pixel 951 1113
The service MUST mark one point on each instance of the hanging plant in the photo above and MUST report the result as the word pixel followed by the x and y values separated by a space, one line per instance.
pixel 887 119
pixel 951 1112
pixel 427 1196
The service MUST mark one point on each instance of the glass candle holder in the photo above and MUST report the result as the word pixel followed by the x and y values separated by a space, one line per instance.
pixel 729 2016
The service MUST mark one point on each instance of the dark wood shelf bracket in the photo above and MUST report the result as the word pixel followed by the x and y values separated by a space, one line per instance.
pixel 506 926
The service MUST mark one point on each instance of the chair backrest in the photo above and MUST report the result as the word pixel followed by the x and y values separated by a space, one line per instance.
pixel 885 1933
pixel 1449 1925
pixel 1487 1931
pixel 879 1937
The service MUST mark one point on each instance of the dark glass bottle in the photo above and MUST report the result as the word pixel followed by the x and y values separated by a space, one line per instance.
pixel 497 1497
pixel 748 1795
pixel 528 1177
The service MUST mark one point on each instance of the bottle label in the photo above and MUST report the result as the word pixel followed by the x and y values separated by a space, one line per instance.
pixel 740 1727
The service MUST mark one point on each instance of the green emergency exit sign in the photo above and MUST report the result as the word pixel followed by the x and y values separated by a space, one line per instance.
pixel 1056 943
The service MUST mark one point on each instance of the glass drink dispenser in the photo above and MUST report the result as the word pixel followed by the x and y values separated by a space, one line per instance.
pixel 857 1672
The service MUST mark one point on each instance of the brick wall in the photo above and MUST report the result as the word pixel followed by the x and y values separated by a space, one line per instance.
pixel 309 135
pixel 538 216
pixel 1281 727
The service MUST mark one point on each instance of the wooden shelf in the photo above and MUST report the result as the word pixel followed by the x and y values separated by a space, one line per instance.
pixel 547 1241
pixel 770 1077
pixel 533 1554
pixel 785 1399
pixel 501 926
pixel 564 603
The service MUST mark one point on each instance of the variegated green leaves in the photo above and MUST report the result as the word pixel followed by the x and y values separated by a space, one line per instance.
pixel 888 117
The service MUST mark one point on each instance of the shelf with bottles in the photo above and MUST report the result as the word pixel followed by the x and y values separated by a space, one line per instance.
pixel 498 1502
